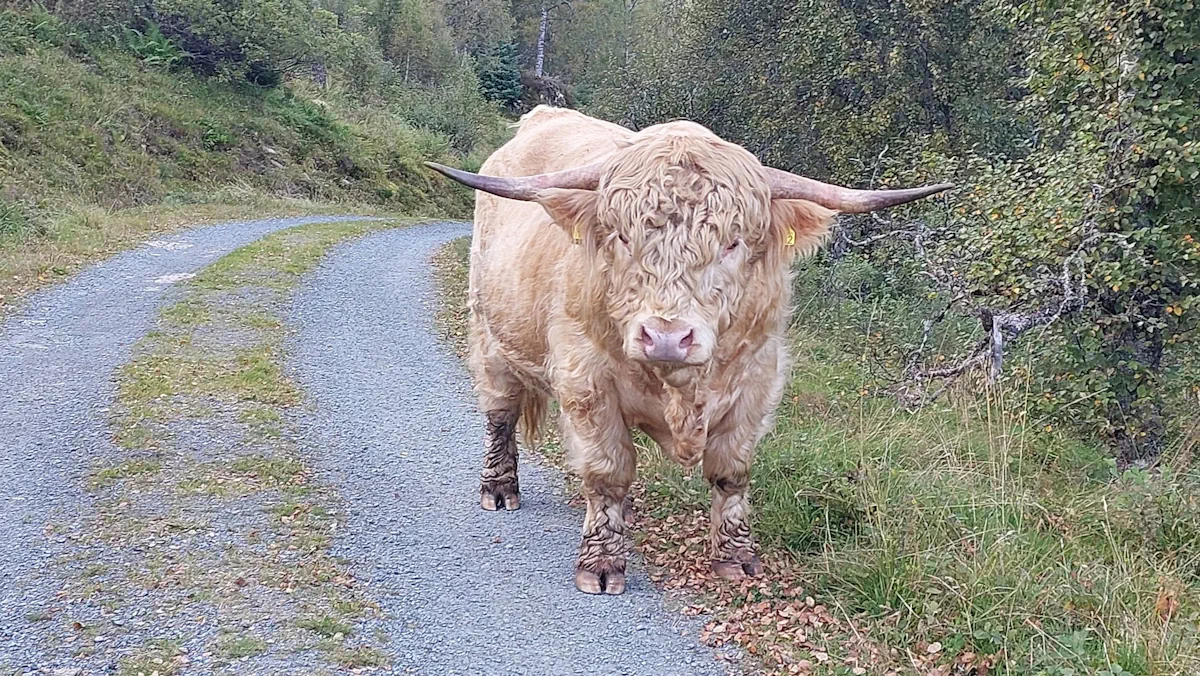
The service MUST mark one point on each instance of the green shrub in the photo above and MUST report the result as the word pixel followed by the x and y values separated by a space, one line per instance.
pixel 259 40
pixel 154 48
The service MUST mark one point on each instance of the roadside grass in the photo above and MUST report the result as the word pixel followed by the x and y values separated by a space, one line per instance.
pixel 960 539
pixel 450 265
pixel 213 510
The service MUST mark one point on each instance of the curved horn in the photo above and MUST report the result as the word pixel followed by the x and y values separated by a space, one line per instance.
pixel 524 188
pixel 786 185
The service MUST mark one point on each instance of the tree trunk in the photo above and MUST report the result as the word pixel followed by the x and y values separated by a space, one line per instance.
pixel 1138 419
pixel 541 41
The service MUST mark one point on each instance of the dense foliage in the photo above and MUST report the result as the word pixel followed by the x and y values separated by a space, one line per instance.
pixel 1070 128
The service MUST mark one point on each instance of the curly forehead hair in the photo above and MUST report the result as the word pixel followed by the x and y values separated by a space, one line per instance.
pixel 715 190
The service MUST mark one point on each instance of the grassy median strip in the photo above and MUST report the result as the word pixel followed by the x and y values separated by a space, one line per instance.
pixel 210 547
pixel 956 540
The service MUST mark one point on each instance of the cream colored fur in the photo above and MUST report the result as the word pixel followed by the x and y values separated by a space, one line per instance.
pixel 681 226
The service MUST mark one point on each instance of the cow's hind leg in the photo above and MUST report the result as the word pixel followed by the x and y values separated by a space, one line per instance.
pixel 502 398
pixel 603 455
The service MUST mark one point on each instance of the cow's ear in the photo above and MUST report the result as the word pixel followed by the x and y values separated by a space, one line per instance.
pixel 573 210
pixel 799 227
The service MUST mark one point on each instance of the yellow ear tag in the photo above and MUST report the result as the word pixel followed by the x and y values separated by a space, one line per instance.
pixel 791 238
pixel 575 234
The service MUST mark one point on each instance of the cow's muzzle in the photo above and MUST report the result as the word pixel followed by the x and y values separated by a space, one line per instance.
pixel 669 341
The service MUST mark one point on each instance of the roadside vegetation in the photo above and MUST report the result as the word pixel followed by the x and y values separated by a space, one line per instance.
pixel 968 537
pixel 210 520
pixel 113 127
pixel 988 452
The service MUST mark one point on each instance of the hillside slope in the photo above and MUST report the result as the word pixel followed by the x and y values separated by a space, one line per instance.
pixel 100 143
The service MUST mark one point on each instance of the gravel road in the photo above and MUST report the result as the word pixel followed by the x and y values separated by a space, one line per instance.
pixel 57 358
pixel 396 431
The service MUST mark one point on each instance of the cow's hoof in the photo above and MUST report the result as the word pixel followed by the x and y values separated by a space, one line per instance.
pixel 494 499
pixel 610 582
pixel 738 570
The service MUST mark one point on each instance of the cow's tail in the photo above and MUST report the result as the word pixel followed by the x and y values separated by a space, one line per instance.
pixel 533 417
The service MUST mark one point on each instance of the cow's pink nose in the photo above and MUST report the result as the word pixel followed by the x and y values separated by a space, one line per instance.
pixel 666 341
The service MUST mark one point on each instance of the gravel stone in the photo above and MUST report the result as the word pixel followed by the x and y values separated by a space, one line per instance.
pixel 396 431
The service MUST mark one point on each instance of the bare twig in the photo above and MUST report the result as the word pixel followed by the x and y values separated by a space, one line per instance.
pixel 1002 327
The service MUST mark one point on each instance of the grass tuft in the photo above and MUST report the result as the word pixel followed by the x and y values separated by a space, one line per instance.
pixel 360 657
pixel 108 476
pixel 326 626
pixel 240 646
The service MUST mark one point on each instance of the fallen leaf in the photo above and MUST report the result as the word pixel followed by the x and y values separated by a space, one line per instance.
pixel 1166 605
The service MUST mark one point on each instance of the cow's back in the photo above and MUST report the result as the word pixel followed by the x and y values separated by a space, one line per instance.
pixel 519 258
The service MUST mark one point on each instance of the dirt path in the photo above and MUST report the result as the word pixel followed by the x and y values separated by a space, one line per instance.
pixel 131 576
pixel 57 358
pixel 396 430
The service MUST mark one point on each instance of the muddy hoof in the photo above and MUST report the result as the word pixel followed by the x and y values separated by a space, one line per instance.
pixel 738 570
pixel 498 498
pixel 611 582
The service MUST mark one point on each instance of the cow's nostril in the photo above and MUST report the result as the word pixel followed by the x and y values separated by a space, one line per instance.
pixel 686 341
pixel 645 338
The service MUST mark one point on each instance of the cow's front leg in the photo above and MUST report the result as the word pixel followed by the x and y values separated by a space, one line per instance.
pixel 601 565
pixel 498 485
pixel 602 454
pixel 733 550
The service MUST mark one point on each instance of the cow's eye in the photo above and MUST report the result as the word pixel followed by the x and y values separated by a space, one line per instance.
pixel 733 246
pixel 623 238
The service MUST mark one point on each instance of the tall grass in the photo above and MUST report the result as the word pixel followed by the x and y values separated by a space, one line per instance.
pixel 965 523
pixel 968 523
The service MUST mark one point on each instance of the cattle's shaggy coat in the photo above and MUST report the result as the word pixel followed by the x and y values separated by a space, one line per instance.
pixel 656 300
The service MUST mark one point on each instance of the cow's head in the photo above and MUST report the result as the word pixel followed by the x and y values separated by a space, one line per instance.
pixel 682 227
